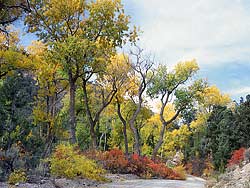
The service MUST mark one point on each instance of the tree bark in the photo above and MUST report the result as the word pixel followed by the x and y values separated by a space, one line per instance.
pixel 163 128
pixel 160 141
pixel 124 126
pixel 93 136
pixel 89 115
pixel 93 118
pixel 72 116
pixel 134 129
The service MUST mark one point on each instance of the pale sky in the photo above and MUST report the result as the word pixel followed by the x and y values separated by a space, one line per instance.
pixel 214 32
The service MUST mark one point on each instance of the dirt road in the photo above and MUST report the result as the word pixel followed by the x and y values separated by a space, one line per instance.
pixel 191 182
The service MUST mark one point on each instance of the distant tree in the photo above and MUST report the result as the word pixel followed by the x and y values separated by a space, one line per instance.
pixel 242 121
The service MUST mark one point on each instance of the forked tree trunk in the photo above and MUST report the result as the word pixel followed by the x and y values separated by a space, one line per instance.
pixel 163 129
pixel 160 141
pixel 93 118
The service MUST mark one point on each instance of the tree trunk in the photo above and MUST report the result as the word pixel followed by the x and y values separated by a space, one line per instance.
pixel 72 116
pixel 125 139
pixel 163 129
pixel 124 127
pixel 93 136
pixel 160 141
pixel 134 129
pixel 94 117
pixel 136 137
pixel 92 122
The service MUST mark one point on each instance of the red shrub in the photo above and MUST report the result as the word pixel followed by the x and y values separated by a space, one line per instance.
pixel 138 165
pixel 160 170
pixel 237 157
pixel 145 167
pixel 94 155
pixel 115 161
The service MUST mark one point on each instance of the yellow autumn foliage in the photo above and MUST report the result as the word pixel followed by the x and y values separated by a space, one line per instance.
pixel 18 176
pixel 12 55
pixel 175 140
pixel 66 161
pixel 200 121
pixel 212 96
pixel 184 69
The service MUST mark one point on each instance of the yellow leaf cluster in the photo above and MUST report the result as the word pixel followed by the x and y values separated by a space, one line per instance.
pixel 59 10
pixel 186 68
pixel 176 140
pixel 66 161
pixel 213 96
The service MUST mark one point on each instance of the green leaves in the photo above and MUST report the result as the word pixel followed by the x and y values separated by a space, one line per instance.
pixel 183 98
pixel 165 81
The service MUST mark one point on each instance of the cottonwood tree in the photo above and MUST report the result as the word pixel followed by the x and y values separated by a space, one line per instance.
pixel 166 85
pixel 83 35
pixel 125 70
pixel 105 88
pixel 143 74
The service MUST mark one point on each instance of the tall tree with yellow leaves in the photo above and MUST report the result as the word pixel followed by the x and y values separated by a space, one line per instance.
pixel 83 35
pixel 51 91
pixel 142 66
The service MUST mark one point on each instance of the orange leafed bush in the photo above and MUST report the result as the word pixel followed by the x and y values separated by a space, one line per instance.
pixel 209 168
pixel 237 157
pixel 196 166
pixel 138 165
pixel 160 170
pixel 147 168
pixel 115 161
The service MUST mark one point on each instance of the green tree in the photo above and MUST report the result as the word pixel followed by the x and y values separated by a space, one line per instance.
pixel 222 137
pixel 20 143
pixel 165 84
pixel 242 120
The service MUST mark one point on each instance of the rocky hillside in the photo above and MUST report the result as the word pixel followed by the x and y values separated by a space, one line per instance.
pixel 237 178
